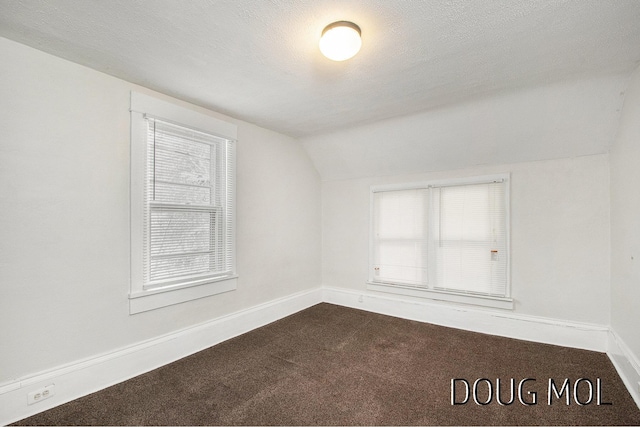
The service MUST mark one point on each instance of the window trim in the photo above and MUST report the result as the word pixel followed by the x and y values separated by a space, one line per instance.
pixel 440 294
pixel 141 299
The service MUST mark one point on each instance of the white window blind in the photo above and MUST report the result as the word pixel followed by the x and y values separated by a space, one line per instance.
pixel 447 237
pixel 400 237
pixel 470 238
pixel 188 216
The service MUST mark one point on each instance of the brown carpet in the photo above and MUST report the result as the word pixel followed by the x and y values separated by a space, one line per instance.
pixel 331 365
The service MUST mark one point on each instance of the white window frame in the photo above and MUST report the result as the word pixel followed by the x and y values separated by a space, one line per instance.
pixel 143 299
pixel 428 291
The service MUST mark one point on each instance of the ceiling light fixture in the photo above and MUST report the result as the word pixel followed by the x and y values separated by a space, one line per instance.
pixel 340 40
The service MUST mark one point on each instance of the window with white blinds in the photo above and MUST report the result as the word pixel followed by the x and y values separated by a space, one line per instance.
pixel 470 238
pixel 182 204
pixel 189 209
pixel 444 237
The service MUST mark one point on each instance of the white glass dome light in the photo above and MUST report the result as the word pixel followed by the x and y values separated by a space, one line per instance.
pixel 340 40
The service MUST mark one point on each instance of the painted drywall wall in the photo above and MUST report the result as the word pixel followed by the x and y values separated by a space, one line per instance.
pixel 64 196
pixel 625 222
pixel 559 120
pixel 559 234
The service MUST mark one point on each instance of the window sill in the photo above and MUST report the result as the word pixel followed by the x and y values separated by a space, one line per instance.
pixel 156 298
pixel 480 300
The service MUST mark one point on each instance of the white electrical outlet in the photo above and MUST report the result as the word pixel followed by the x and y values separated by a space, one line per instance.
pixel 41 394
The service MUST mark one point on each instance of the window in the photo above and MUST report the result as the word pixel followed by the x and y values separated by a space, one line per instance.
pixel 442 240
pixel 182 204
pixel 400 236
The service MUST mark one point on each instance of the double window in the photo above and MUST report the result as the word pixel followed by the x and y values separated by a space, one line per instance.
pixel 183 203
pixel 445 240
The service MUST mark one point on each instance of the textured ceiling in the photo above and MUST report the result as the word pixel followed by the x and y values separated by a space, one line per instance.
pixel 259 60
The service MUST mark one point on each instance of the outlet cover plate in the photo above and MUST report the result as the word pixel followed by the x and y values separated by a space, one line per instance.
pixel 41 394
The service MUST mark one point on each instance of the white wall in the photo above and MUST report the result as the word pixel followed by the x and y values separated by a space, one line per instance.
pixel 64 198
pixel 625 223
pixel 559 234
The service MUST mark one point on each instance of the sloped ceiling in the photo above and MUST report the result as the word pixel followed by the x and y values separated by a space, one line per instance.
pixel 259 60
pixel 576 117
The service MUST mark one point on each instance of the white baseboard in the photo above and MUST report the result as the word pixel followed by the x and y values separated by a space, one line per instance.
pixel 88 376
pixel 531 328
pixel 626 363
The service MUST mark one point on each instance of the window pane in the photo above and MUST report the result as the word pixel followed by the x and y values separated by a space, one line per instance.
pixel 464 267
pixel 471 246
pixel 179 168
pixel 400 236
pixel 401 214
pixel 179 266
pixel 464 213
pixel 183 195
pixel 401 262
pixel 174 231
pixel 173 138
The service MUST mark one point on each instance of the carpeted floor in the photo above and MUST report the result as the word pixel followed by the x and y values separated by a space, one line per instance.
pixel 331 365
